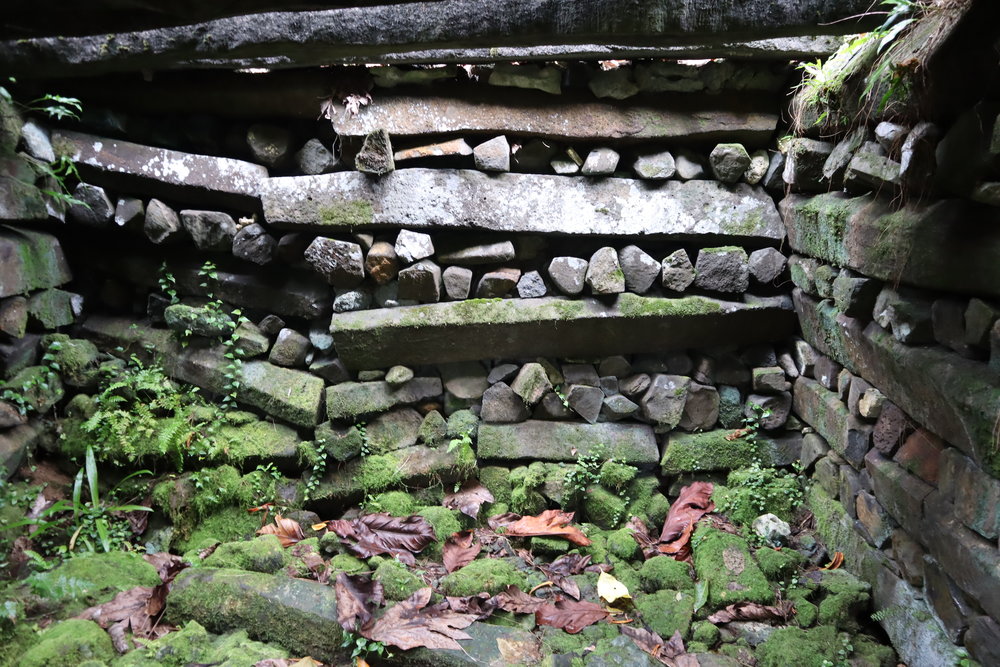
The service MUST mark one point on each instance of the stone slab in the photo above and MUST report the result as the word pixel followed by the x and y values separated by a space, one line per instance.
pixel 711 451
pixel 30 260
pixel 200 180
pixel 953 397
pixel 561 328
pixel 350 400
pixel 564 441
pixel 519 203
pixel 950 245
pixel 823 410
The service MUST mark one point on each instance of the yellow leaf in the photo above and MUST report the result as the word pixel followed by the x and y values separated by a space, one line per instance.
pixel 610 589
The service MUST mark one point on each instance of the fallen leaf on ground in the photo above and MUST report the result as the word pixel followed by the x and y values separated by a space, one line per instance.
pixel 694 502
pixel 411 623
pixel 610 589
pixel 670 653
pixel 482 605
pixel 640 532
pixel 137 609
pixel 752 611
pixel 469 498
pixel 561 569
pixel 459 550
pixel 167 565
pixel 289 532
pixel 357 597
pixel 514 600
pixel 835 562
pixel 307 555
pixel 554 523
pixel 570 615
pixel 377 534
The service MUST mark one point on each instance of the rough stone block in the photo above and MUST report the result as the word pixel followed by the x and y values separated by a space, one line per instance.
pixel 976 495
pixel 722 269
pixel 30 260
pixel 900 493
pixel 349 400
pixel 560 441
pixel 804 163
pixel 830 417
pixel 921 455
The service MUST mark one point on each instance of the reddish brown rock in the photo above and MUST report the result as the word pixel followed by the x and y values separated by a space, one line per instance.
pixel 921 455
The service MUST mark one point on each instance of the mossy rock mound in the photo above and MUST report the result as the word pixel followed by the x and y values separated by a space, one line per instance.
pixel 724 562
pixel 71 642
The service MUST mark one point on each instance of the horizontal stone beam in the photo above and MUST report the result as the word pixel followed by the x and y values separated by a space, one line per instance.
pixel 297 39
pixel 195 179
pixel 955 398
pixel 516 328
pixel 519 203
pixel 565 441
pixel 749 119
pixel 950 245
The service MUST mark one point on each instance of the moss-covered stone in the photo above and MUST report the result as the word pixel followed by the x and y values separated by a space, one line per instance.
pixel 660 572
pixel 846 597
pixel 192 645
pixel 603 508
pixel 197 320
pixel 70 643
pixel 754 491
pixel 378 473
pixel 91 579
pixel 776 565
pixel 397 580
pixel 666 611
pixel 704 632
pixel 263 554
pixel 551 546
pixel 75 357
pixel 795 646
pixel 490 575
pixel 723 560
pixel 497 480
pixel 524 500
pixel 622 544
pixel 445 522
pixel 341 443
pixel 560 642
pixel 433 430
pixel 625 573
pixel 657 509
pixel 614 475
pixel 229 524
pixel 396 503
pixel 347 563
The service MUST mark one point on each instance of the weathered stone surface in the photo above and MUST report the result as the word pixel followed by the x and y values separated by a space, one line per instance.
pixel 349 400
pixel 604 273
pixel 585 401
pixel 51 308
pixel 14 316
pixel 983 640
pixel 840 156
pixel 640 270
pixel 381 263
pixel 949 245
pixel 824 411
pixel 493 155
pixel 729 162
pixel 854 294
pixel 561 441
pixel 760 161
pixel 315 158
pixel 497 284
pixel 979 319
pixel 549 326
pixel 96 210
pixel 375 156
pixel 616 83
pixel 37 141
pixel 478 253
pixel 724 269
pixel 664 401
pixel 210 230
pixel 421 282
pixel 443 149
pixel 161 224
pixel 413 246
pixel 921 455
pixel 30 260
pixel 892 429
pixel 976 495
pixel 196 320
pixel 196 179
pixel 701 408
pixel 655 166
pixel 766 264
pixel 916 635
pixel 253 244
pixel 870 172
pixel 289 349
pixel 600 162
pixel 531 285
pixel 712 450
pixel 900 493
pixel 689 165
pixel 15 444
pixel 269 144
pixel 457 282
pixel 568 274
pixel 502 406
pixel 774 409
pixel 392 430
pixel 678 272
pixel 804 163
pixel 523 203
pixel 532 77
pixel 340 262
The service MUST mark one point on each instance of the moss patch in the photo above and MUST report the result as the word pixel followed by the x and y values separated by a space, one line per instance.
pixel 723 561
pixel 666 611
pixel 230 524
pixel 347 213
pixel 263 554
pixel 70 643
pixel 661 572
pixel 193 645
pixel 399 583
pixel 491 575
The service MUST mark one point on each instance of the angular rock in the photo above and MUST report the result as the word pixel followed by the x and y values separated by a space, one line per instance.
pixel 640 270
pixel 560 441
pixel 890 135
pixel 531 383
pixel 804 163
pixel 868 171
pixel 723 269
pixel 678 273
pixel 497 284
pixel 349 400
pixel 531 285
pixel 14 316
pixel 568 274
pixel 381 262
pixel 655 166
pixel 315 158
pixel 421 282
pixel 457 282
pixel 729 162
pixel 37 141
pixel 444 149
pixel 617 407
pixel 840 156
pixel 290 349
pixel 713 450
pixel 773 409
pixel 96 210
pixel 210 230
pixel 766 265
pixel 162 224
pixel 341 263
pixel 253 244
pixel 906 313
pixel 976 495
pixel 546 79
pixel 979 319
pixel 854 294
pixel 413 246
pixel 130 213
pixel 269 144
pixel 194 179
pixel 689 166
pixel 701 408
pixel 481 253
pixel 770 380
pixel 759 164
pixel 375 156
pixel 616 83
pixel 520 203
pixel 604 273
pixel 663 403
pixel 586 401
pixel 198 321
pixel 600 162
pixel 822 409
pixel 51 308
pixel 331 370
pixel 392 430
pixel 502 406
pixel 493 155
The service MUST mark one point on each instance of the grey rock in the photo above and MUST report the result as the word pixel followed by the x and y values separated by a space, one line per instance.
pixel 600 162
pixel 824 278
pixel 769 380
pixel 677 271
pixel 52 308
pixel 250 341
pixel 271 325
pixel 617 366
pixel 604 272
pixel 907 313
pixel 771 529
pixel 640 270
pixel 319 337
pixel 466 380
pixel 890 136
pixel 586 401
pixel 531 383
pixel 689 165
pixel 803 272
pixel 617 407
pixel 421 282
pixel 130 213
pixel 868 171
pixel 395 429
pixel 531 285
pixel 655 166
pixel 502 406
pixel 340 262
pixel 582 374
pixel 564 167
pixel 566 441
pixel 774 177
pixel 779 406
pixel 330 369
pixel 723 269
pixel 547 79
pixel 387 296
pixel 826 371
pixel 568 274
pixel 492 155
pixel 413 246
pixel 767 264
pixel 290 349
pixel 616 83
pixel 198 321
pixel 433 430
pixel 729 162
pixel 635 385
pixel 381 262
pixel 98 211
pixel 840 156
pixel 979 318
pixel 210 230
pixel 609 385
pixel 479 253
pixel 663 402
pixel 854 294
pixel 14 316
pixel 443 149
pixel 315 158
pixel 252 243
pixel 350 400
pixel 352 299
pixel 917 162
pixel 701 408
pixel 457 282
pixel 804 163
pixel 759 163
pixel 37 142
pixel 552 407
pixel 870 404
pixel 375 156
pixel 498 283
pixel 814 447
pixel 502 373
pixel 269 144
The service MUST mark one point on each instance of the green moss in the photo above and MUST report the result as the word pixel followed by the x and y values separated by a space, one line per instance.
pixel 91 579
pixel 598 547
pixel 776 565
pixel 617 476
pixel 846 597
pixel 806 613
pixel 625 573
pixel 445 523
pixel 723 561
pixel 552 546
pixel 192 645
pixel 559 642
pixel 708 451
pixel 346 213
pixel 433 429
pixel 603 508
pixel 74 355
pixel 657 509
pixel 396 503
pixel 527 501
pixel 347 563
pixel 399 583
pixel 633 305
pixel 704 632
pixel 622 544
pixel 750 224
pixel 802 648
pixel 70 643
pixel 263 554
pixel 465 460
pixel 491 575
pixel 666 611
pixel 661 572
pixel 754 491
pixel 229 524
pixel 497 480
pixel 378 473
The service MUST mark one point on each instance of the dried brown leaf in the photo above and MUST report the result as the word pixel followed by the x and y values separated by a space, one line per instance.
pixel 570 615
pixel 481 605
pixel 469 498
pixel 670 653
pixel 377 534
pixel 137 609
pixel 554 523
pixel 459 550
pixel 357 597
pixel 567 565
pixel 641 534
pixel 167 565
pixel 306 554
pixel 694 502
pixel 514 600
pixel 289 532
pixel 411 623
pixel 752 611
